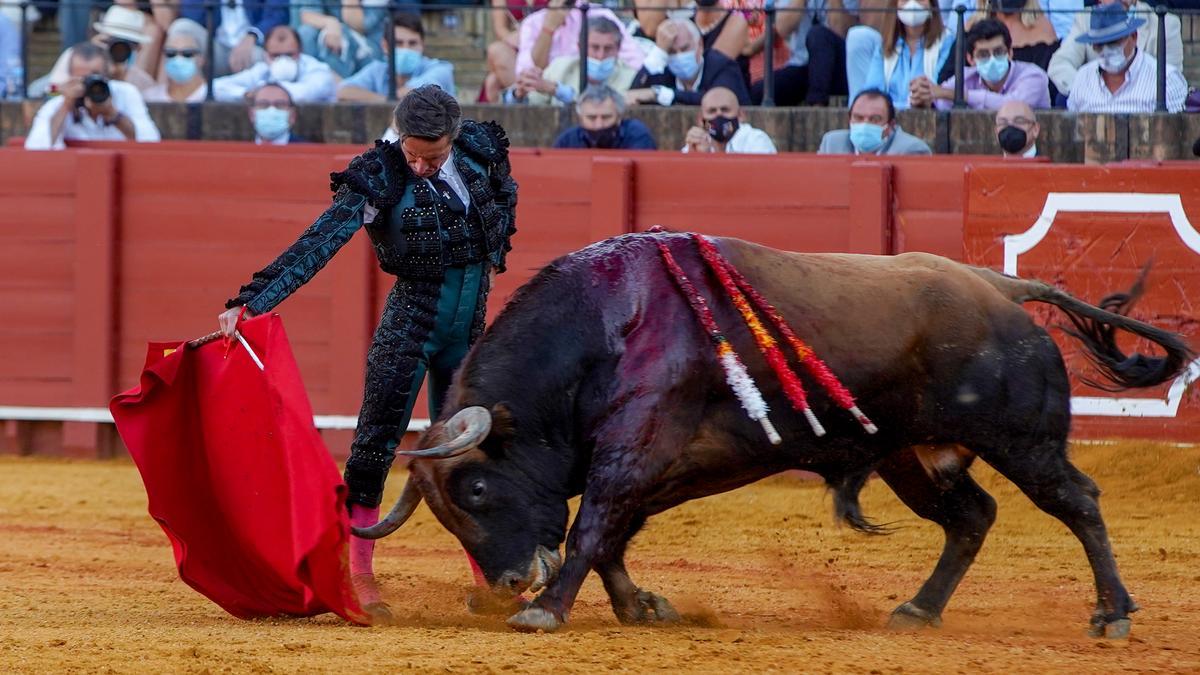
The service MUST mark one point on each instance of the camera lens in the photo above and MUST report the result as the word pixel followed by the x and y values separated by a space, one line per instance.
pixel 95 88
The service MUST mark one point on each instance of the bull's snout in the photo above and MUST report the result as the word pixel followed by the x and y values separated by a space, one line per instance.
pixel 510 584
pixel 543 568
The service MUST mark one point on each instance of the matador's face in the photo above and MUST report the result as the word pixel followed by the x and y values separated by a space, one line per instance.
pixel 424 156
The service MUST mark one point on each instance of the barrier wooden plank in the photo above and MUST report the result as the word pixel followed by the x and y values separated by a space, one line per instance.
pixel 1089 231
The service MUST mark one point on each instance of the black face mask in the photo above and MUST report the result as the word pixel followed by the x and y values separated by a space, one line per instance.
pixel 608 137
pixel 1012 139
pixel 721 129
pixel 706 3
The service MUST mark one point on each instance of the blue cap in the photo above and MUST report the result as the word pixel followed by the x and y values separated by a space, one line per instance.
pixel 1110 23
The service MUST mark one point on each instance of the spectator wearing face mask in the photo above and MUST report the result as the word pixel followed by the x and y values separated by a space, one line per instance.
pixel 1073 53
pixel 602 125
pixel 120 33
pixel 1017 129
pixel 240 27
pixel 915 42
pixel 679 70
pixel 306 79
pixel 559 83
pixel 991 78
pixel 183 63
pixel 1123 78
pixel 723 128
pixel 873 130
pixel 413 68
pixel 273 116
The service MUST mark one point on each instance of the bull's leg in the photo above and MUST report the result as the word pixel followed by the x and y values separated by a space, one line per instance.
pixel 964 511
pixel 1049 479
pixel 631 604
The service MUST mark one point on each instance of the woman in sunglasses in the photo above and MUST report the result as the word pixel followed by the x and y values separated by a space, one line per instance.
pixel 183 65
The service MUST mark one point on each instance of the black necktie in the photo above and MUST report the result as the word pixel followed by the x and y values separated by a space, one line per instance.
pixel 448 196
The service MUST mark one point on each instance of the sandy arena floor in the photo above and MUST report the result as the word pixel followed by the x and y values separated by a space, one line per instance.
pixel 765 579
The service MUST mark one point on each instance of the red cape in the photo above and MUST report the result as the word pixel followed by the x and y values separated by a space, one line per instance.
pixel 239 478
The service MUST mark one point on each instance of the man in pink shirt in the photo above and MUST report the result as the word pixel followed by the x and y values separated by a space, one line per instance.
pixel 992 78
pixel 554 31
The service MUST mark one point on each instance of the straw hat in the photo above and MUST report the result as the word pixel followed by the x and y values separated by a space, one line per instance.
pixel 123 23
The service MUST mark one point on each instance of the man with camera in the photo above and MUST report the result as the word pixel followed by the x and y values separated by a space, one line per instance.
pixel 91 107
pixel 121 32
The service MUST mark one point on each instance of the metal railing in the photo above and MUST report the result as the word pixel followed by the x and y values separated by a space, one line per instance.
pixel 770 11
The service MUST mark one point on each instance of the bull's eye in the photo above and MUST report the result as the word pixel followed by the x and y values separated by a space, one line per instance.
pixel 478 489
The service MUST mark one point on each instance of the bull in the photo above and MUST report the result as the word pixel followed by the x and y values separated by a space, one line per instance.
pixel 596 380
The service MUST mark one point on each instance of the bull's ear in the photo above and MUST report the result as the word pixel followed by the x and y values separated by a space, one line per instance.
pixel 504 430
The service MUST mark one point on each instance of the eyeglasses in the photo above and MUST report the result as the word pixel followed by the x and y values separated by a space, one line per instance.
pixel 263 105
pixel 983 54
pixel 186 53
pixel 1019 122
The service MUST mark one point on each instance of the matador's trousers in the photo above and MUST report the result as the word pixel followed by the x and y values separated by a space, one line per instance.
pixel 427 328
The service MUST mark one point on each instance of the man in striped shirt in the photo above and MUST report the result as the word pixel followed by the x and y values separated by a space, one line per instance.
pixel 1123 78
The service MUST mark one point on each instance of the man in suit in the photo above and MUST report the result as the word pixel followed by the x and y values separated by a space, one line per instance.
pixel 679 70
pixel 239 29
pixel 873 130
pixel 274 116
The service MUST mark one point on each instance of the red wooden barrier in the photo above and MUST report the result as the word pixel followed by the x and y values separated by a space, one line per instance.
pixel 1036 221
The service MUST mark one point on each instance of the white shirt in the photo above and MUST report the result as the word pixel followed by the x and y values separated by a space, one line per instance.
pixel 126 100
pixel 1137 94
pixel 748 141
pixel 159 94
pixel 313 84
pixel 234 23
pixel 448 173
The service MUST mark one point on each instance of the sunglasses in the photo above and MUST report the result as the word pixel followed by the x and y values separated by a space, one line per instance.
pixel 186 53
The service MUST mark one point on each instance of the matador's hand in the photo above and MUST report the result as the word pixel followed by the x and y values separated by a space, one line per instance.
pixel 229 319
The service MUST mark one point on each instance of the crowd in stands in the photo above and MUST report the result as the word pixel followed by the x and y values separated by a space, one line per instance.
pixel 882 55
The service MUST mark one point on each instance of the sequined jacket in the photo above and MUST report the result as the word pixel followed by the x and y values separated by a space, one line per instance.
pixel 405 234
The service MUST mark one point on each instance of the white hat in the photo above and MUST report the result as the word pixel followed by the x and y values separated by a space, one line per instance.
pixel 123 23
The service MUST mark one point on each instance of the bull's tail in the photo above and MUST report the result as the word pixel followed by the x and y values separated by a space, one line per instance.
pixel 1095 327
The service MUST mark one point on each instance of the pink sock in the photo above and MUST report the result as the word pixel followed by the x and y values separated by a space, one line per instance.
pixel 362 551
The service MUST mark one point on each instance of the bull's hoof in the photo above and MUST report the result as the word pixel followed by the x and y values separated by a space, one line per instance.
pixel 483 601
pixel 650 609
pixel 1117 629
pixel 534 619
pixel 909 617
pixel 380 613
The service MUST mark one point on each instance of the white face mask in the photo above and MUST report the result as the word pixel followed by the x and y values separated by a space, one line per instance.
pixel 284 69
pixel 912 14
pixel 1113 59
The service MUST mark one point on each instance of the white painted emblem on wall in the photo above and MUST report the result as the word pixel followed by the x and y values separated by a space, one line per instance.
pixel 1113 202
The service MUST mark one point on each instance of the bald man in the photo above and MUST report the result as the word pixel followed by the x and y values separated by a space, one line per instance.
pixel 679 70
pixel 1017 129
pixel 722 127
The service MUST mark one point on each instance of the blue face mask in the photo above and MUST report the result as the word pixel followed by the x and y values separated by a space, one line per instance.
pixel 602 69
pixel 866 137
pixel 684 65
pixel 407 61
pixel 993 70
pixel 271 123
pixel 180 68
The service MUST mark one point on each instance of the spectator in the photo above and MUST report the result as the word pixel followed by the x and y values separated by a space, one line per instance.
pixel 992 77
pixel 914 43
pixel 75 16
pixel 601 125
pixel 553 32
pixel 873 130
pixel 1033 35
pixel 1061 14
pixel 1017 129
pixel 502 52
pixel 720 27
pixel 723 128
pixel 754 61
pixel 1072 54
pixel 1122 78
pixel 306 79
pixel 678 69
pixel 273 116
pixel 559 83
pixel 816 68
pixel 413 68
pixel 10 55
pixel 186 45
pixel 240 26
pixel 343 34
pixel 120 32
pixel 92 107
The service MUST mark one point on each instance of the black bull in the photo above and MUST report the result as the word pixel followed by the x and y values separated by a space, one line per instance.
pixel 596 379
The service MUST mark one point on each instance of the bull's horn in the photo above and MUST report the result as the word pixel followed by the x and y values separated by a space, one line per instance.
pixel 471 426
pixel 405 505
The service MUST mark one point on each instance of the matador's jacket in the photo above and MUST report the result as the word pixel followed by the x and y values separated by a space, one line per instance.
pixel 442 261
